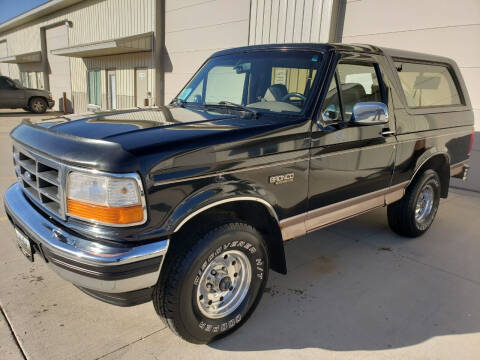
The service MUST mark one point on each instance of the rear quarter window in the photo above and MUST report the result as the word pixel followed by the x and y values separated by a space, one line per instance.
pixel 428 85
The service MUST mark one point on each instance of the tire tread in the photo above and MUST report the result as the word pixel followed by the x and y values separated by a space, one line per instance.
pixel 173 270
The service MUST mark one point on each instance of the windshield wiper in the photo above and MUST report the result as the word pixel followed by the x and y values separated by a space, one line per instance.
pixel 234 106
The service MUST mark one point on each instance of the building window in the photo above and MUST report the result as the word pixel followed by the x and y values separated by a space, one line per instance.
pixel 94 87
pixel 40 84
pixel 32 80
pixel 24 79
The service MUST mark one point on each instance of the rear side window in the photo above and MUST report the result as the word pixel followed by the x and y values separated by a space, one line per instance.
pixel 427 85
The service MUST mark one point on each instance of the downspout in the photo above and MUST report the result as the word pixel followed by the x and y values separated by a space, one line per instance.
pixel 337 21
pixel 45 67
pixel 159 52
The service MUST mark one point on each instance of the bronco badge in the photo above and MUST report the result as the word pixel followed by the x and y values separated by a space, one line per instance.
pixel 281 179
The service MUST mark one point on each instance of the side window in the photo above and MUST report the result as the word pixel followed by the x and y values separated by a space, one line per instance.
pixel 427 85
pixel 359 83
pixel 4 84
pixel 331 110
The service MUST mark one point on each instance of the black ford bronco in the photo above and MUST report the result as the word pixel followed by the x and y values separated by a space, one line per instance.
pixel 189 204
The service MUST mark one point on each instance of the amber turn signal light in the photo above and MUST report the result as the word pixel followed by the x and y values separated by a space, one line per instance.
pixel 105 214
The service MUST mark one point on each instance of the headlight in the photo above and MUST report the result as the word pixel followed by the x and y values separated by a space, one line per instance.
pixel 105 199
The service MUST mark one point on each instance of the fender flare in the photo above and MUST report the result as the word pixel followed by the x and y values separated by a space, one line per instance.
pixel 269 207
pixel 424 158
pixel 215 194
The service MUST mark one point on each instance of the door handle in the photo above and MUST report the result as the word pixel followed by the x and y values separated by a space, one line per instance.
pixel 387 132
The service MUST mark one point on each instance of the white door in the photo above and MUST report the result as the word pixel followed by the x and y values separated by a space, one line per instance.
pixel 141 86
pixel 112 89
pixel 59 67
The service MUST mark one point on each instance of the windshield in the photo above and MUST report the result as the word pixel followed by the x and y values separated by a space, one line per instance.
pixel 274 81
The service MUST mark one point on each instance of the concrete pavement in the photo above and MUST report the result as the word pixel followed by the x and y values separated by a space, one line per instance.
pixel 354 291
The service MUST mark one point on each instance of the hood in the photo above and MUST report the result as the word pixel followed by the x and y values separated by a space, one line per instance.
pixel 117 141
pixel 116 123
pixel 142 129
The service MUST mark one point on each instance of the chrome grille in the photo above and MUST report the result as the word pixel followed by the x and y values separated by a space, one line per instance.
pixel 41 179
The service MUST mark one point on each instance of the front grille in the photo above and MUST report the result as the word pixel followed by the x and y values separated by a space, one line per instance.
pixel 41 179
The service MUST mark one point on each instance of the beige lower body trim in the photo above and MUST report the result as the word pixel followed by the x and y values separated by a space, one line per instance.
pixel 457 168
pixel 315 219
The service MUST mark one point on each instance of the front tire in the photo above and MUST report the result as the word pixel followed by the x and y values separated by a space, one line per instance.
pixel 38 105
pixel 414 213
pixel 211 284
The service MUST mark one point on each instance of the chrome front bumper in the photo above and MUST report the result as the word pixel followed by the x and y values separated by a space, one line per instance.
pixel 97 268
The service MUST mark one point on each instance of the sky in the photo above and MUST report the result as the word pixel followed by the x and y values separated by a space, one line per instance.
pixel 11 8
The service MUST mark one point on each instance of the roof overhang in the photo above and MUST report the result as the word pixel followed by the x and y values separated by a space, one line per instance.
pixel 137 43
pixel 32 57
pixel 35 13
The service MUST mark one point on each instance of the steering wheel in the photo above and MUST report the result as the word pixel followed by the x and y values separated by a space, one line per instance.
pixel 293 94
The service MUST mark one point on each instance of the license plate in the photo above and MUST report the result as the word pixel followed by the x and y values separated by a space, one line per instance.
pixel 24 244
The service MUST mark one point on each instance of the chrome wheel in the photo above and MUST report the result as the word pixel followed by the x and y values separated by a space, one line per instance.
pixel 224 284
pixel 424 205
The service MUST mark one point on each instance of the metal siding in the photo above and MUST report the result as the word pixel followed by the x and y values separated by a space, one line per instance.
pixel 196 29
pixel 286 21
pixel 3 53
pixel 453 32
pixel 281 21
pixel 274 25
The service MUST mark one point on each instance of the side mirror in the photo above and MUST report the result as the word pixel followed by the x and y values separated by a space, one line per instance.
pixel 370 113
pixel 330 114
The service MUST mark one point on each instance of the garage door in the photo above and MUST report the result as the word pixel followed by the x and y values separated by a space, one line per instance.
pixel 59 67
pixel 3 53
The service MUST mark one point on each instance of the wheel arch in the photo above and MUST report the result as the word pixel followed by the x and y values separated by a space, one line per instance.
pixel 31 97
pixel 438 161
pixel 255 210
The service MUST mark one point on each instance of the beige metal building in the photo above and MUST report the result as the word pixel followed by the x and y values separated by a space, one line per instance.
pixel 111 54
pixel 124 53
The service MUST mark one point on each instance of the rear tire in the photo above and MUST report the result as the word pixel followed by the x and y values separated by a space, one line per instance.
pixel 414 214
pixel 210 284
pixel 38 105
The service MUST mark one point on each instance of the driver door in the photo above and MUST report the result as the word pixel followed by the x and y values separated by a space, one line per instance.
pixel 351 165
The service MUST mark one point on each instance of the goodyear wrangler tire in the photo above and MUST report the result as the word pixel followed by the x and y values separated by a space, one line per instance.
pixel 210 288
